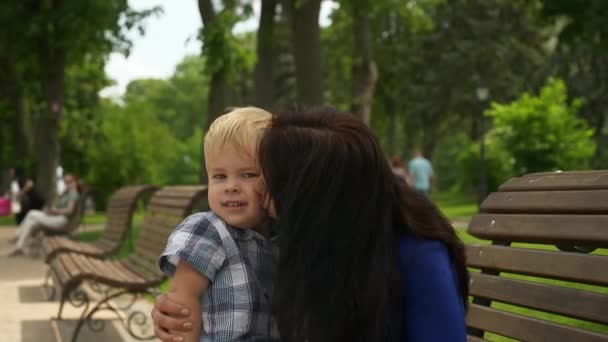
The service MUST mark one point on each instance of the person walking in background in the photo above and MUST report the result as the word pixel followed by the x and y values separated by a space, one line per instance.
pixel 421 172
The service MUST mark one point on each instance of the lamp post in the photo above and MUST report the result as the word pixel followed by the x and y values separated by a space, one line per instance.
pixel 482 94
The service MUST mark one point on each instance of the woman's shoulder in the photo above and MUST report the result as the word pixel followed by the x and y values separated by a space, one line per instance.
pixel 424 252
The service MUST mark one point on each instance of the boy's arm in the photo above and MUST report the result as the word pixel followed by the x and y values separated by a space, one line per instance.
pixel 186 288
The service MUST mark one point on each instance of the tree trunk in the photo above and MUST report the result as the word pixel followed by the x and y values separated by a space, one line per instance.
pixel 12 88
pixel 365 72
pixel 392 124
pixel 304 21
pixel 264 68
pixel 52 60
pixel 218 95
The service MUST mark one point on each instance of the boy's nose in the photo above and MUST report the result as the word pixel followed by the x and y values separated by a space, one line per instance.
pixel 231 188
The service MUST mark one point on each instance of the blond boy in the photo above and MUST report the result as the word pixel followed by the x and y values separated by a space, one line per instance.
pixel 221 267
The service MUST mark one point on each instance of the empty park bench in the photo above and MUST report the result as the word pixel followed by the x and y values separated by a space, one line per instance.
pixel 136 275
pixel 525 219
pixel 119 216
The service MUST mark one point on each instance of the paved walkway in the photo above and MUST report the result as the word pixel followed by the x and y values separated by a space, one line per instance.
pixel 26 313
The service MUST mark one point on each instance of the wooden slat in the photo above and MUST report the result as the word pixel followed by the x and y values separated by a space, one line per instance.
pixel 561 181
pixel 180 191
pixel 563 173
pixel 171 202
pixel 570 302
pixel 526 328
pixel 590 269
pixel 475 339
pixel 589 230
pixel 167 210
pixel 561 202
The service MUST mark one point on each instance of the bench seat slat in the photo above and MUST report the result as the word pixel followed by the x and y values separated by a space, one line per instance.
pixel 570 302
pixel 589 230
pixel 559 181
pixel 526 328
pixel 475 339
pixel 589 269
pixel 547 202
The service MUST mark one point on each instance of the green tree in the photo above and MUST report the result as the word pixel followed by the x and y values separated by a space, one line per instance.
pixel 50 37
pixel 543 132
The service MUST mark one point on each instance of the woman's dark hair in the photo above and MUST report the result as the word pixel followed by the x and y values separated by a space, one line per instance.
pixel 340 215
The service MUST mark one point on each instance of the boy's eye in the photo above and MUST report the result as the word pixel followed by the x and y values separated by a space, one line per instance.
pixel 250 175
pixel 219 176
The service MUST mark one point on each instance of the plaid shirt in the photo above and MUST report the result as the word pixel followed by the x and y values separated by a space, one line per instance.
pixel 239 264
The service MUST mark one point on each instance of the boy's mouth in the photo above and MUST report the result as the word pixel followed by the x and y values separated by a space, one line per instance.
pixel 233 204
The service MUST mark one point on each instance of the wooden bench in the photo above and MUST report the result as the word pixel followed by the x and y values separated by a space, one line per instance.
pixel 569 210
pixel 137 275
pixel 120 209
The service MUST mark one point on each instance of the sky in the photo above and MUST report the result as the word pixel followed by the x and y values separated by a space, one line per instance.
pixel 168 38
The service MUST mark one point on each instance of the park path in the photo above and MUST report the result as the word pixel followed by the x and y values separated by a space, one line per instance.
pixel 25 314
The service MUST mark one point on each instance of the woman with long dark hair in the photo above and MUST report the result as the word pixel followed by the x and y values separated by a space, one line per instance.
pixel 362 256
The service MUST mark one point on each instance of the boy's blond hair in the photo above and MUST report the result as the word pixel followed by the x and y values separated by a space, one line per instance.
pixel 241 128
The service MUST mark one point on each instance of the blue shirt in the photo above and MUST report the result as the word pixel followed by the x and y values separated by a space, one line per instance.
pixel 433 308
pixel 421 172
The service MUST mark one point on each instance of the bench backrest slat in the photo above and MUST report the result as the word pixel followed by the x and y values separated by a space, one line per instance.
pixel 576 267
pixel 120 209
pixel 559 181
pixel 541 297
pixel 568 210
pixel 547 202
pixel 526 328
pixel 161 217
pixel 542 228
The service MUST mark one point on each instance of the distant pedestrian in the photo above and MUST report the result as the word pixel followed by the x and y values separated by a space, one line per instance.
pixel 421 172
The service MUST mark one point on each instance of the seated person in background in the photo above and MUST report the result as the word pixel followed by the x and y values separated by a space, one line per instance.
pixel 29 199
pixel 222 268
pixel 54 218
pixel 23 191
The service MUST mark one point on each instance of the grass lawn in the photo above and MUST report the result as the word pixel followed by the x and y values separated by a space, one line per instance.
pixel 455 206
pixel 7 220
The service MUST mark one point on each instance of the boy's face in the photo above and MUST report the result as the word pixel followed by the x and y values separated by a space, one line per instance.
pixel 235 188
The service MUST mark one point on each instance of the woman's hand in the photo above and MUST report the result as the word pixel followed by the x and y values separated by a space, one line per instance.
pixel 168 315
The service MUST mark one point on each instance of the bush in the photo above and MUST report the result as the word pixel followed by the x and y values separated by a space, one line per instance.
pixel 543 133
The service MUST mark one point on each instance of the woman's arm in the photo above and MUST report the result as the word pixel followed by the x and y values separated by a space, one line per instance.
pixel 186 288
pixel 434 310
pixel 63 211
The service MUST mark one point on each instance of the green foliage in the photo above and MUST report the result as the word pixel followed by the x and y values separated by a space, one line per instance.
pixel 133 147
pixel 499 165
pixel 221 49
pixel 153 137
pixel 543 132
pixel 448 173
pixel 586 19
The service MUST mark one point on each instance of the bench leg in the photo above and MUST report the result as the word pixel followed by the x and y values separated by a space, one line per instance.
pixel 46 285
pixel 76 296
pixel 135 317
